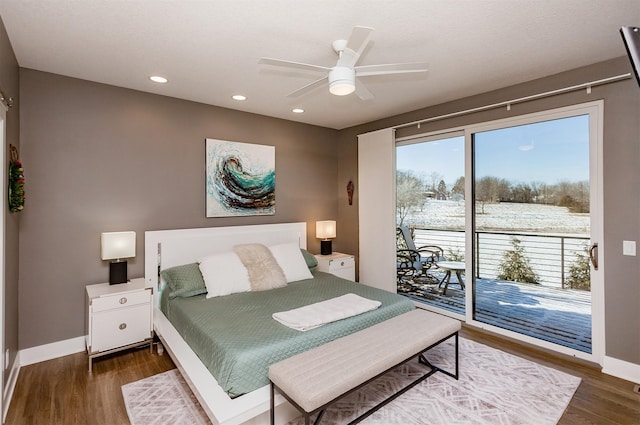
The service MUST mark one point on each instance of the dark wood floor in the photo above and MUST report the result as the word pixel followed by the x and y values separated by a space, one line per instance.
pixel 62 392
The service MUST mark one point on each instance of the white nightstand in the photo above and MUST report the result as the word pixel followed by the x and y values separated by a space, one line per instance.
pixel 339 264
pixel 118 317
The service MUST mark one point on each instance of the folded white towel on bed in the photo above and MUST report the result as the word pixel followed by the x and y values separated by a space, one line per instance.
pixel 315 315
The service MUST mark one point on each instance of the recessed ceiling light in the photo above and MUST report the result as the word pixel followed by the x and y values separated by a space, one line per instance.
pixel 297 110
pixel 158 79
pixel 239 97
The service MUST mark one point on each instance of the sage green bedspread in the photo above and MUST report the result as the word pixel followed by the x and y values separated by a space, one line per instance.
pixel 237 339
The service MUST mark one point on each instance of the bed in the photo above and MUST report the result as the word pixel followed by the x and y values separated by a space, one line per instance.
pixel 240 393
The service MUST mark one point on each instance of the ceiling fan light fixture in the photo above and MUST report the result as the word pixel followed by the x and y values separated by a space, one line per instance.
pixel 342 81
pixel 342 88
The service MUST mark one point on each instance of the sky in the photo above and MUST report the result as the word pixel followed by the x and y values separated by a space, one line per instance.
pixel 546 152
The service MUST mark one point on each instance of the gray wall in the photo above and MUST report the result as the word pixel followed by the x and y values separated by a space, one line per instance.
pixel 10 86
pixel 102 158
pixel 621 178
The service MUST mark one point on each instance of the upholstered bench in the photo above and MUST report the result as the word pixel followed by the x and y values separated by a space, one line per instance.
pixel 312 380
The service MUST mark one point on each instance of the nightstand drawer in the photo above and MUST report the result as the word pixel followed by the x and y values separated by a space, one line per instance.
pixel 116 328
pixel 120 300
pixel 341 263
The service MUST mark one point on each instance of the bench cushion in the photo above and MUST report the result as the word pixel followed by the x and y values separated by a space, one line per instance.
pixel 318 376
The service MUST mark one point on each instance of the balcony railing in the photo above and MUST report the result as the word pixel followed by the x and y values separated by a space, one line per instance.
pixel 551 256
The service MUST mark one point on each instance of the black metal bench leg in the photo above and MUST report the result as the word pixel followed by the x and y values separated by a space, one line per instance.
pixel 422 359
pixel 319 417
pixel 272 405
pixel 457 351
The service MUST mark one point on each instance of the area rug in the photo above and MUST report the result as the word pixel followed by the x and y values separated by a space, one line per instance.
pixel 494 388
pixel 162 399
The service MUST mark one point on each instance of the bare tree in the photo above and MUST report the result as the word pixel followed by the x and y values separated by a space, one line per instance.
pixel 490 190
pixel 434 178
pixel 410 193
pixel 573 195
pixel 523 192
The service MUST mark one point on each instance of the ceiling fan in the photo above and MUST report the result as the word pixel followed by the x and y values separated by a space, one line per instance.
pixel 343 77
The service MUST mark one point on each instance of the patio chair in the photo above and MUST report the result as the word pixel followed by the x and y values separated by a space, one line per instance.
pixel 414 262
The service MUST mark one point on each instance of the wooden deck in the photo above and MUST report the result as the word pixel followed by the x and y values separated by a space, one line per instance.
pixel 560 316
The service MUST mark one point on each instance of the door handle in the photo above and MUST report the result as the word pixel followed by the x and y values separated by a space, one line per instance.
pixel 593 255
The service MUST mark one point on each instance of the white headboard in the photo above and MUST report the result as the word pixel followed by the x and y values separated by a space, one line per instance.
pixel 168 248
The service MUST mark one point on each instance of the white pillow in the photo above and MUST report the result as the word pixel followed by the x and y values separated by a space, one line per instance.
pixel 291 261
pixel 224 274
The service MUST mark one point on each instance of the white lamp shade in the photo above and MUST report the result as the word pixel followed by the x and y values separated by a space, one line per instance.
pixel 117 245
pixel 325 229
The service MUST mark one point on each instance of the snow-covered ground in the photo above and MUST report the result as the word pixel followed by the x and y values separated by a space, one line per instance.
pixel 526 218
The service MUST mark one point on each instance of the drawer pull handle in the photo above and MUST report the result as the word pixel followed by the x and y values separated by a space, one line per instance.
pixel 342 263
pixel 122 326
pixel 123 300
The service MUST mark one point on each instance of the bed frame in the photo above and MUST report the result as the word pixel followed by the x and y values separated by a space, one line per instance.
pixel 168 248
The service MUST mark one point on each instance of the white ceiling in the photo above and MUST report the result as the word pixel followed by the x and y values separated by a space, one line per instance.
pixel 209 50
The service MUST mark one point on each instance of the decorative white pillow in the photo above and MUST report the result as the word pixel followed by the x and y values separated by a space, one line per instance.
pixel 224 274
pixel 291 261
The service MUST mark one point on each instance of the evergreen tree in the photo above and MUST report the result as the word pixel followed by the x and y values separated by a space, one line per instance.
pixel 442 190
pixel 515 265
pixel 580 271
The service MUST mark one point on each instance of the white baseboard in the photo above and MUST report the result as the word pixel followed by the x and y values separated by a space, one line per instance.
pixel 54 350
pixel 11 385
pixel 621 369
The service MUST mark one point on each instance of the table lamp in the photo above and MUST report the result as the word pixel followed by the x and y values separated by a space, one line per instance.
pixel 116 246
pixel 325 230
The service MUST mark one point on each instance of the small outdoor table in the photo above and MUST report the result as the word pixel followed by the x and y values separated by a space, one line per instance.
pixel 448 267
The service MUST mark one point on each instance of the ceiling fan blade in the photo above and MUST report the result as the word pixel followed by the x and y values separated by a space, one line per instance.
pixel 356 44
pixel 362 91
pixel 358 39
pixel 306 89
pixel 391 68
pixel 291 64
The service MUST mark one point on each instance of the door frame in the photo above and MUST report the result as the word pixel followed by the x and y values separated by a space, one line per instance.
pixel 3 180
pixel 595 110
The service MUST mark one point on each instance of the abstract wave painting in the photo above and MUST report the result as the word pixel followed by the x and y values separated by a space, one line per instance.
pixel 240 179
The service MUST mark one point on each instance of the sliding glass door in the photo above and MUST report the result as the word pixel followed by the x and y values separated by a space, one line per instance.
pixel 536 223
pixel 510 216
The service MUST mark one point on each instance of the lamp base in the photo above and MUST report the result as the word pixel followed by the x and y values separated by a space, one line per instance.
pixel 117 272
pixel 325 247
